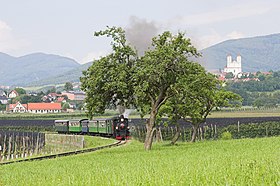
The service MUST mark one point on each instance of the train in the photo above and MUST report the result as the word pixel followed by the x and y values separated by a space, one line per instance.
pixel 116 127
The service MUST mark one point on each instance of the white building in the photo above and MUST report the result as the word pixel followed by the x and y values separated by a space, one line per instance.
pixel 13 94
pixel 233 66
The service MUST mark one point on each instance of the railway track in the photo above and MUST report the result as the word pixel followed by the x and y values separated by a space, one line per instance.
pixel 118 143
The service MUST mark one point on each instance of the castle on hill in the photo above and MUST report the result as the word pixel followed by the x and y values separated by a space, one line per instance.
pixel 233 66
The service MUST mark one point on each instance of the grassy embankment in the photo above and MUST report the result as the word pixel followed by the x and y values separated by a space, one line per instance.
pixel 58 144
pixel 232 162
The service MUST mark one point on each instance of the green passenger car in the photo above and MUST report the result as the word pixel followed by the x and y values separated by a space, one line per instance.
pixel 102 126
pixel 61 126
pixel 93 126
pixel 75 126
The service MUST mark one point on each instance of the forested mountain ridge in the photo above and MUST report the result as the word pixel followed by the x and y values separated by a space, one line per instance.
pixel 37 66
pixel 260 53
pixel 69 76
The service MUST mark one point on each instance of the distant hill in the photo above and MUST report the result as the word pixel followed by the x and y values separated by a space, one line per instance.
pixel 69 76
pixel 258 53
pixel 23 70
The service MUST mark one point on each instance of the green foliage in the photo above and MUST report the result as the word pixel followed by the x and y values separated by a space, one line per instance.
pixel 23 99
pixel 162 70
pixel 254 130
pixel 51 90
pixel 65 106
pixel 2 107
pixel 20 91
pixel 198 99
pixel 109 80
pixel 229 75
pixel 211 132
pixel 68 86
pixel 262 93
pixel 226 135
pixel 232 162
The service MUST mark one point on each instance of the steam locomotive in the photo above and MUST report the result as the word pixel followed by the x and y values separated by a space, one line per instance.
pixel 116 127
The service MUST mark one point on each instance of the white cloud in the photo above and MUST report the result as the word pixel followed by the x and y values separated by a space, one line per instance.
pixel 93 56
pixel 9 42
pixel 235 35
pixel 224 14
pixel 5 32
pixel 214 38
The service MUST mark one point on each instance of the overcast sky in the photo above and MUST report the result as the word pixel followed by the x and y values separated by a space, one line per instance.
pixel 65 27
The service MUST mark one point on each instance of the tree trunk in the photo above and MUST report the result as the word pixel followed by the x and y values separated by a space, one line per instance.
pixel 195 128
pixel 149 138
pixel 158 135
pixel 150 126
pixel 176 136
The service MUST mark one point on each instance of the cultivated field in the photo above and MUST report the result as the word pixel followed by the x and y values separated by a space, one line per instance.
pixel 231 162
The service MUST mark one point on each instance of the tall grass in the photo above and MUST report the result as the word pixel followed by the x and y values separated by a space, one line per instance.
pixel 229 162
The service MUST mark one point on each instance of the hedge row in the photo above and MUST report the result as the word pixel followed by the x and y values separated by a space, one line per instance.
pixel 212 132
pixel 253 130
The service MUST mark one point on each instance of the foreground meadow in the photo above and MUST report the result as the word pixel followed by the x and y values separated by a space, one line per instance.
pixel 232 162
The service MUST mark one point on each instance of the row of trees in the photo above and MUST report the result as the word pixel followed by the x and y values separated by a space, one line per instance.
pixel 164 81
pixel 259 93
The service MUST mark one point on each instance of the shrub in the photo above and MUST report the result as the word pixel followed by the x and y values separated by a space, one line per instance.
pixel 226 135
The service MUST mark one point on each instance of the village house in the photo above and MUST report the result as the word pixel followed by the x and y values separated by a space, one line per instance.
pixel 3 93
pixel 17 108
pixel 35 107
pixel 13 94
pixel 44 107
pixel 51 97
pixel 75 96
pixel 33 94
pixel 60 100
pixel 3 100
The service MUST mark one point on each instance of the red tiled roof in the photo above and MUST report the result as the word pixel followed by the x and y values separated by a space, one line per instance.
pixel 44 106
pixel 60 99
pixel 12 106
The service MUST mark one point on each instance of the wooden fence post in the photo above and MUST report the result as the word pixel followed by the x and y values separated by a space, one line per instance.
pixel 9 147
pixel 216 131
pixel 37 144
pixel 1 146
pixel 238 126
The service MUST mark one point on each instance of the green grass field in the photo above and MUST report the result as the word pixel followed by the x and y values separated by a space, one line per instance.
pixel 231 162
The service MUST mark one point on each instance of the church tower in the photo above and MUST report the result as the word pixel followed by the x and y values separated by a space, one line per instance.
pixel 233 66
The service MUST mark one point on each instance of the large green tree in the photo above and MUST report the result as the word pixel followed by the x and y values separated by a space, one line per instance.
pixel 109 81
pixel 158 75
pixel 196 100
pixel 121 78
